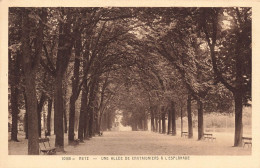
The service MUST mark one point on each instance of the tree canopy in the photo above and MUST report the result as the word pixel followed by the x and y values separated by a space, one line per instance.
pixel 147 63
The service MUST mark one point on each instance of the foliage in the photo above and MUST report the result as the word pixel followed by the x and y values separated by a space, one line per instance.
pixel 132 60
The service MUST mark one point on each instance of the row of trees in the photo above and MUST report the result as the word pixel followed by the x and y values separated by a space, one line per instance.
pixel 54 44
pixel 147 62
pixel 209 50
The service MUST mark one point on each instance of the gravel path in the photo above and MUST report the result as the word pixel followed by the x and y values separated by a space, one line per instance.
pixel 143 143
pixel 149 143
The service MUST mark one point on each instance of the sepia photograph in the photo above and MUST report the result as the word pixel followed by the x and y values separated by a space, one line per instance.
pixel 113 84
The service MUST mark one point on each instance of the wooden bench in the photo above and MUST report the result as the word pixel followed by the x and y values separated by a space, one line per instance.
pixel 184 134
pixel 46 149
pixel 246 141
pixel 209 137
pixel 100 133
pixel 75 142
pixel 170 133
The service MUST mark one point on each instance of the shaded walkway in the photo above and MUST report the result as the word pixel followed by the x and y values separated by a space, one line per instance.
pixel 149 143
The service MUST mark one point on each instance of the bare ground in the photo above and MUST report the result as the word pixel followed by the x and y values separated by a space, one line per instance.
pixel 143 143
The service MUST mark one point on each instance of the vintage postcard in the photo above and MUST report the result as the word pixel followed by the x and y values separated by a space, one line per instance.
pixel 129 83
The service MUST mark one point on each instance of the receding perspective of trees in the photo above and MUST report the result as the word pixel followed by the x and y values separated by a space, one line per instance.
pixel 151 65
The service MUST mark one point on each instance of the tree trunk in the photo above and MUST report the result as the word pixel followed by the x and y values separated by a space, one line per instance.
pixel 91 118
pixel 39 112
pixel 190 128
pixel 101 105
pixel 26 124
pixel 30 65
pixel 134 126
pixel 156 124
pixel 160 126
pixel 15 78
pixel 94 124
pixel 200 120
pixel 25 116
pixel 83 112
pixel 145 124
pixel 39 121
pixel 108 121
pixel 97 124
pixel 49 117
pixel 58 114
pixel 100 122
pixel 238 120
pixel 169 121
pixel 103 122
pixel 75 83
pixel 64 88
pixel 63 57
pixel 86 126
pixel 181 121
pixel 65 120
pixel 71 120
pixel 152 120
pixel 76 126
pixel 44 121
pixel 33 134
pixel 140 124
pixel 173 118
pixel 163 122
pixel 15 112
pixel 83 117
pixel 91 106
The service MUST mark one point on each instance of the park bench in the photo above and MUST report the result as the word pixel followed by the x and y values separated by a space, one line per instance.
pixel 209 137
pixel 170 133
pixel 100 133
pixel 184 134
pixel 75 142
pixel 246 141
pixel 46 149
